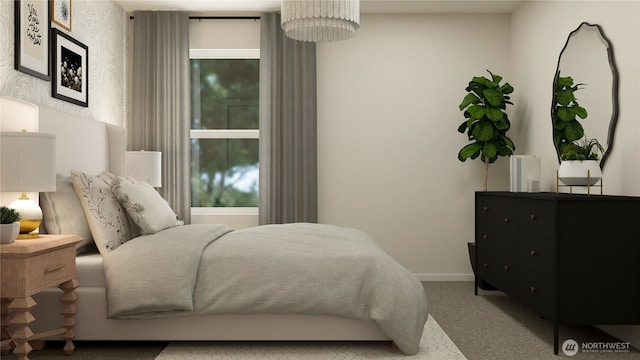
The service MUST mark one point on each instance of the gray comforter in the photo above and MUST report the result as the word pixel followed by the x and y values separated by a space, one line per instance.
pixel 293 268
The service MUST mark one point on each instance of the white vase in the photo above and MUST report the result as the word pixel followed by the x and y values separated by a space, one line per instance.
pixel 9 232
pixel 579 172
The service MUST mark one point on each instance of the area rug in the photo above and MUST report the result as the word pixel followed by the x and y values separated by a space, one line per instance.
pixel 434 345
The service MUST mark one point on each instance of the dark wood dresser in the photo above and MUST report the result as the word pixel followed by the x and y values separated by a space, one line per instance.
pixel 574 259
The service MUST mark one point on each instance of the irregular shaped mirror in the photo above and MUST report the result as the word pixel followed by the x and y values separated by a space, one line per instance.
pixel 587 58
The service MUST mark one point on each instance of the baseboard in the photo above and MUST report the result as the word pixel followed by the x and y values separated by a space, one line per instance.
pixel 621 334
pixel 445 277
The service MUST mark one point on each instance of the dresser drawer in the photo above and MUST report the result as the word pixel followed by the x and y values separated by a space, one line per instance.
pixel 536 253
pixel 494 237
pixel 497 270
pixel 536 291
pixel 496 210
pixel 537 217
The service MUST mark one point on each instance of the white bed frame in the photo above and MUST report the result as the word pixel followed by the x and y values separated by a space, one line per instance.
pixel 90 146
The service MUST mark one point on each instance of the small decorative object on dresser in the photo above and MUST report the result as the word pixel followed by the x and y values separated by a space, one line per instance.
pixel 573 259
pixel 9 225
pixel 27 268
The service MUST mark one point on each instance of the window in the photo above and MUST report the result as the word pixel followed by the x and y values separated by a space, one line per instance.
pixel 224 128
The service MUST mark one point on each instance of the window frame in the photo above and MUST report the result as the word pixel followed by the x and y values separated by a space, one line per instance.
pixel 224 133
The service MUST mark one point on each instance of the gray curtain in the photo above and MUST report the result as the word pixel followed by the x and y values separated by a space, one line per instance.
pixel 160 108
pixel 288 115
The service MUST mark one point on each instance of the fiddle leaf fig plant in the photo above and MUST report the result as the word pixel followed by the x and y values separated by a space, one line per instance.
pixel 565 113
pixel 486 121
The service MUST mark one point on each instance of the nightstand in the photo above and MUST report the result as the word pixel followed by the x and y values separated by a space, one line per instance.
pixel 26 268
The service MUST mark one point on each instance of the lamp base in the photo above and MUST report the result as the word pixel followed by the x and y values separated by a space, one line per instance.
pixel 28 236
pixel 30 217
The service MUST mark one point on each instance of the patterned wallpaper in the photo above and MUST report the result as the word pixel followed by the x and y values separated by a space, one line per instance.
pixel 102 26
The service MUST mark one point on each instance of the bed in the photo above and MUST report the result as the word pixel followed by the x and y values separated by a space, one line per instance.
pixel 337 285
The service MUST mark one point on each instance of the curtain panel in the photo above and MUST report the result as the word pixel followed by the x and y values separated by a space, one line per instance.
pixel 160 110
pixel 288 118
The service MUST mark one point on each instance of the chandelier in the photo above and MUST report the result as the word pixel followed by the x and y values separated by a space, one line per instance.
pixel 320 20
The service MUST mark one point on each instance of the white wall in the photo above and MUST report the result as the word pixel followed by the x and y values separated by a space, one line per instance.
pixel 99 24
pixel 539 31
pixel 387 133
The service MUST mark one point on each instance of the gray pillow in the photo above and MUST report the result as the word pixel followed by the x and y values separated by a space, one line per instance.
pixel 62 213
pixel 144 205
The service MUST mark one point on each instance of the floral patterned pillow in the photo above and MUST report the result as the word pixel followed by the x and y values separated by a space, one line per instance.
pixel 144 205
pixel 107 219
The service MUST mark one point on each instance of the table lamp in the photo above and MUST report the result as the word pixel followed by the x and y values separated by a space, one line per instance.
pixel 144 166
pixel 27 164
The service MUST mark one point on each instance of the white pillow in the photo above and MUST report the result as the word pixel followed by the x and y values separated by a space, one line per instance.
pixel 144 205
pixel 107 219
pixel 62 213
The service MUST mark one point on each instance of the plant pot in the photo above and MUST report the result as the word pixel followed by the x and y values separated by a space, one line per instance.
pixel 579 172
pixel 9 232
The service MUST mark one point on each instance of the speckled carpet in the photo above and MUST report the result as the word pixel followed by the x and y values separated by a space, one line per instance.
pixel 434 345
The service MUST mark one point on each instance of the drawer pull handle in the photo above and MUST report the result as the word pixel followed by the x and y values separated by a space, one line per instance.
pixel 485 209
pixel 485 237
pixel 506 220
pixel 55 268
pixel 533 289
pixel 507 267
pixel 533 216
pixel 485 265
pixel 533 253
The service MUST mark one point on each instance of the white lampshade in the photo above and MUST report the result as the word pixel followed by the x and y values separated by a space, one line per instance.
pixel 27 163
pixel 320 20
pixel 18 115
pixel 144 166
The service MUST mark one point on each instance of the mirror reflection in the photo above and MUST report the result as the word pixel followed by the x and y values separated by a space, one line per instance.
pixel 587 58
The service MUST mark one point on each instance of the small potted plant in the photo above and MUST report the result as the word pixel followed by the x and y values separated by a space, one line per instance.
pixel 9 225
pixel 579 165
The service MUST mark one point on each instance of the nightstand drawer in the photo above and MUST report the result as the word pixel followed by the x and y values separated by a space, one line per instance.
pixel 50 269
pixel 26 276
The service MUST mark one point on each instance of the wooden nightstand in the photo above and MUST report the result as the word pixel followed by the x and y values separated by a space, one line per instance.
pixel 26 268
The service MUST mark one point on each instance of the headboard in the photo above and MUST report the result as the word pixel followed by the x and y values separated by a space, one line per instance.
pixel 84 144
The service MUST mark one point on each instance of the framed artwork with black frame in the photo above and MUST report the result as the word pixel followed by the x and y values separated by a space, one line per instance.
pixel 70 75
pixel 32 25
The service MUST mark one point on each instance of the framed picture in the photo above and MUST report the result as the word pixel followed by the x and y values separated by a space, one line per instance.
pixel 70 72
pixel 32 37
pixel 61 13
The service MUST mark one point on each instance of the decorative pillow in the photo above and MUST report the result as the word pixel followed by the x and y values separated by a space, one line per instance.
pixel 62 213
pixel 144 205
pixel 106 217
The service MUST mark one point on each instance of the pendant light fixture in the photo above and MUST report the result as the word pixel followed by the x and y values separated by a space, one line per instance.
pixel 320 20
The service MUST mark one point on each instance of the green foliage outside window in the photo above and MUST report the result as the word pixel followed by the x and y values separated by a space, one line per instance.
pixel 224 95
